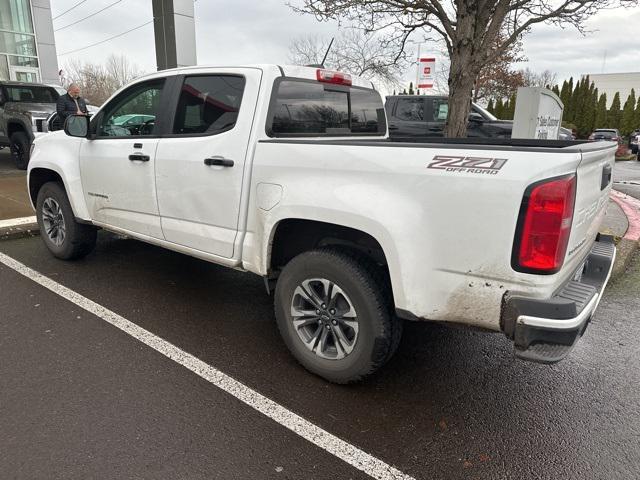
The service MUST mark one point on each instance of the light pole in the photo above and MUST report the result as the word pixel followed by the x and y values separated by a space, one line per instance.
pixel 419 44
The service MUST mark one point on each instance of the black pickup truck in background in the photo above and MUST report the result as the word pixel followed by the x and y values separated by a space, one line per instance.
pixel 425 116
pixel 413 116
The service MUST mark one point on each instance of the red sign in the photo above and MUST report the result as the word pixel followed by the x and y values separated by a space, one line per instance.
pixel 426 67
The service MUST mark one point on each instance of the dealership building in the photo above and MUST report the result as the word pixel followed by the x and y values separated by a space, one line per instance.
pixel 27 43
pixel 610 83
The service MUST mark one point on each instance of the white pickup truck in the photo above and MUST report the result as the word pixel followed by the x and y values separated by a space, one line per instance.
pixel 287 172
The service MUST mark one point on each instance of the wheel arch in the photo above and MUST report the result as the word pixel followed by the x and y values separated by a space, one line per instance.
pixel 292 236
pixel 15 126
pixel 38 176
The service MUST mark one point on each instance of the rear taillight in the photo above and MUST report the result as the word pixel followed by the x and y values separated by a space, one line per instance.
pixel 337 78
pixel 544 226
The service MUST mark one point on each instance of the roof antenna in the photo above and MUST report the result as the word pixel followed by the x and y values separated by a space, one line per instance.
pixel 321 64
pixel 327 53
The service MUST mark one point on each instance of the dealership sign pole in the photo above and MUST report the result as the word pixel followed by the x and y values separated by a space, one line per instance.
pixel 426 72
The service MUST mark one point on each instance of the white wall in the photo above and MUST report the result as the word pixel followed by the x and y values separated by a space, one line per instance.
pixel 610 83
pixel 45 39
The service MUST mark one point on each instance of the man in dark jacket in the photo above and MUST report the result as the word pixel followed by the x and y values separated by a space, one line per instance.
pixel 70 104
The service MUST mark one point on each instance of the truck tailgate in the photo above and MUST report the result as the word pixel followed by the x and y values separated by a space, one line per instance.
pixel 594 180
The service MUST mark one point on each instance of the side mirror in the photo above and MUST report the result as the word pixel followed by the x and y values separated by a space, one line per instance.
pixel 77 126
pixel 475 117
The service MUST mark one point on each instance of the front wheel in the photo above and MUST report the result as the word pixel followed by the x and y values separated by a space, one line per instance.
pixel 62 234
pixel 20 149
pixel 334 313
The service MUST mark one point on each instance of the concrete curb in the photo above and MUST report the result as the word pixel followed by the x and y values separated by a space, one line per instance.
pixel 18 227
pixel 628 244
pixel 19 231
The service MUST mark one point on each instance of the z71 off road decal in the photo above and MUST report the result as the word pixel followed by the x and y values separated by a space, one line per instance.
pixel 487 166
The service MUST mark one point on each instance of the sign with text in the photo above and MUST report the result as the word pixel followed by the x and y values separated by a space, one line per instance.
pixel 426 72
pixel 538 114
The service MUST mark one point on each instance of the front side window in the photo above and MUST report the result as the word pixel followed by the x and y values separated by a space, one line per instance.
pixel 208 104
pixel 138 102
pixel 311 108
pixel 439 110
pixel 410 109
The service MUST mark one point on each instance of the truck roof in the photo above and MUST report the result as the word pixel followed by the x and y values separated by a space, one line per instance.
pixel 12 83
pixel 296 71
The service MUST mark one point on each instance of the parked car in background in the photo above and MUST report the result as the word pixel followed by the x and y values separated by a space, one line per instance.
pixel 565 134
pixel 425 116
pixel 24 109
pixel 606 135
pixel 633 141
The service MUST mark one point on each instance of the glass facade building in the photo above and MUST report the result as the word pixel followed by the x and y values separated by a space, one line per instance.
pixel 22 22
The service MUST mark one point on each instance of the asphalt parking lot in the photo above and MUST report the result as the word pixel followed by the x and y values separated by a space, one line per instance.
pixel 82 399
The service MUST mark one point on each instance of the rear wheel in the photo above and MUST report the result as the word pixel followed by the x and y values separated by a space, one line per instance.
pixel 62 234
pixel 20 149
pixel 335 315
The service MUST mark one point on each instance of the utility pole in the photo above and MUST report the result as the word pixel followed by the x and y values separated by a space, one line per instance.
pixel 175 33
pixel 418 68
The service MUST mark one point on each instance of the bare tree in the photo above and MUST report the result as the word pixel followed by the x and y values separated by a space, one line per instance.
pixel 538 79
pixel 98 82
pixel 497 78
pixel 470 30
pixel 354 52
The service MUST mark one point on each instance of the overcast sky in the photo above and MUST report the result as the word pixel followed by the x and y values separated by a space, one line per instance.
pixel 230 32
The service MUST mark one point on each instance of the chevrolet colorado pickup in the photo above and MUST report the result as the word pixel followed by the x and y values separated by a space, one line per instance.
pixel 287 172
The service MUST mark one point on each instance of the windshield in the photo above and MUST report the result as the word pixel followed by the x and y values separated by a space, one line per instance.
pixel 29 94
pixel 485 113
pixel 605 133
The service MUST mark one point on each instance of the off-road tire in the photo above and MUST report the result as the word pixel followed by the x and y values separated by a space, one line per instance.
pixel 80 239
pixel 20 149
pixel 365 283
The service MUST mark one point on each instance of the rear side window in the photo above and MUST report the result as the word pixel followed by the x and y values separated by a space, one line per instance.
pixel 410 109
pixel 312 108
pixel 208 104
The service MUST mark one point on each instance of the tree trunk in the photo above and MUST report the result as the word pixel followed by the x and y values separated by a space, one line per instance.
pixel 461 81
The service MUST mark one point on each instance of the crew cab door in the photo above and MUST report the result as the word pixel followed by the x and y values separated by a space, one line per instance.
pixel 200 164
pixel 118 166
pixel 436 113
pixel 407 117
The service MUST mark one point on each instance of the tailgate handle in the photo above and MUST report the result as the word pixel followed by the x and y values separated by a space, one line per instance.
pixel 606 177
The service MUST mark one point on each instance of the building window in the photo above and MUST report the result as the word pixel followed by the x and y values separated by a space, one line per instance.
pixel 17 44
pixel 23 61
pixel 15 16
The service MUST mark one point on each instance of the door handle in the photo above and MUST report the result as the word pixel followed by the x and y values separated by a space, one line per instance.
pixel 393 127
pixel 218 162
pixel 138 157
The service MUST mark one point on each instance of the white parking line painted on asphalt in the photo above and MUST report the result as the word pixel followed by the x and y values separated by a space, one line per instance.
pixel 345 451
pixel 16 222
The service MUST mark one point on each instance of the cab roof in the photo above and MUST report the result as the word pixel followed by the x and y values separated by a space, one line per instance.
pixel 294 71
